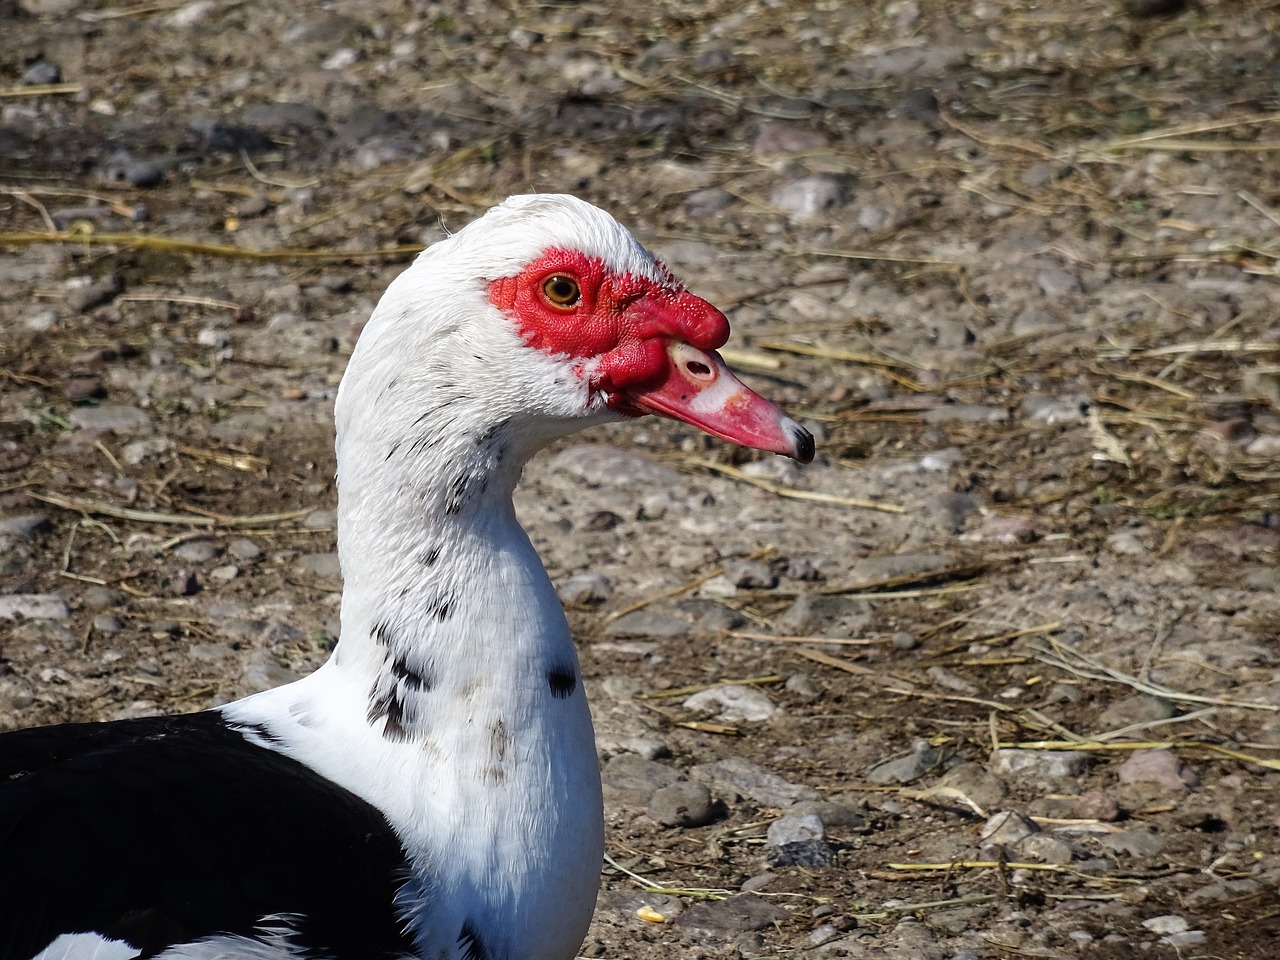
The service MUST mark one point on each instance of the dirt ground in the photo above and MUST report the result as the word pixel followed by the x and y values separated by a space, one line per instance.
pixel 1011 643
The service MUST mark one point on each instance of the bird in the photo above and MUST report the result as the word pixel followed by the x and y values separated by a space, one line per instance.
pixel 432 790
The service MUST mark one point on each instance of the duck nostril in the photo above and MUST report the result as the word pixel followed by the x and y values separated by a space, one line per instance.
pixel 698 369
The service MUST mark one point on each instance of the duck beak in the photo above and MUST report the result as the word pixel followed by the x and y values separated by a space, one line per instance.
pixel 701 390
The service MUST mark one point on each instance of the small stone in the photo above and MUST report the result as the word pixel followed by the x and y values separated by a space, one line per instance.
pixel 1037 764
pixel 184 18
pixel 801 684
pixel 682 804
pixel 25 526
pixel 98 597
pixel 1042 848
pixel 1096 805
pixel 1161 767
pixel 975 782
pixel 751 780
pixel 107 623
pixel 197 551
pixel 1132 843
pixel 793 828
pixel 1186 938
pixel 135 452
pixel 1164 925
pixel 586 587
pixel 808 197
pixel 111 418
pixel 904 640
pixel 649 623
pixel 244 549
pixel 630 779
pixel 832 813
pixel 1002 529
pixel 326 566
pixel 224 573
pixel 940 461
pixel 965 413
pixel 40 73
pixel 758 882
pixel 750 575
pixel 33 606
pixel 1136 709
pixel 83 389
pixel 734 702
pixel 743 913
pixel 922 759
pixel 320 520
pixel 185 584
pixel 1008 828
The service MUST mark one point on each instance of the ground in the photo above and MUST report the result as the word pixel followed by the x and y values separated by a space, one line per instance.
pixel 1014 636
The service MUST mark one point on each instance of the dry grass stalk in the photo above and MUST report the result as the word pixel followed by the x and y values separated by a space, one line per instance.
pixel 145 516
pixel 196 248
pixel 790 492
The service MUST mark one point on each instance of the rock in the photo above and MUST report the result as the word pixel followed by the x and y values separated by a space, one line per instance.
pixel 1132 843
pixel 185 583
pixel 98 597
pixel 263 672
pixel 810 854
pixel 84 389
pixel 940 461
pixel 886 567
pixel 734 702
pixel 794 828
pixel 1238 888
pixel 1002 529
pixel 111 418
pixel 633 780
pixel 1042 848
pixel 743 913
pixel 244 549
pixel 326 566
pixel 807 198
pixel 33 606
pixel 586 587
pixel 186 17
pixel 976 782
pixel 682 804
pixel 1136 709
pixel 748 779
pixel 40 73
pixel 649 623
pixel 801 684
pixel 25 526
pixel 138 450
pixel 1071 408
pixel 1038 764
pixel 905 640
pixel 750 575
pixel 1008 828
pixel 197 551
pixel 922 759
pixel 1169 923
pixel 832 813
pixel 599 465
pixel 1161 767
pixel 95 293
pixel 1096 805
pixel 965 413
pixel 107 623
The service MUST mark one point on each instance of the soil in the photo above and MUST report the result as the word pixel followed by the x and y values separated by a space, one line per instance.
pixel 1014 263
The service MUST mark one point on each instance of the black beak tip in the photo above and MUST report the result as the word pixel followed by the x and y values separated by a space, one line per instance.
pixel 803 441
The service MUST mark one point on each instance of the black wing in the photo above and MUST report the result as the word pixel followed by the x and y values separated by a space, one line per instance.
pixel 163 830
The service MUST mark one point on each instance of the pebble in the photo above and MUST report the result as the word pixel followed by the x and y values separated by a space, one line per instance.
pixel 1136 709
pixel 186 17
pixel 185 583
pixel 1166 924
pixel 965 413
pixel 807 198
pixel 33 606
pixel 326 566
pixel 750 575
pixel 922 759
pixel 1160 767
pixel 1132 843
pixel 107 623
pixel 197 551
pixel 1042 848
pixel 649 623
pixel 83 389
pixel 1038 764
pixel 244 549
pixel 98 597
pixel 904 640
pixel 135 452
pixel 734 702
pixel 976 782
pixel 794 828
pixel 94 293
pixel 586 587
pixel 40 73
pixel 801 684
pixel 682 804
pixel 25 526
pixel 111 418
pixel 631 779
pixel 748 779
pixel 940 461
pixel 224 573
pixel 1237 888
pixel 1008 828
pixel 1006 530
pixel 742 913
pixel 1096 805
pixel 872 569
pixel 832 813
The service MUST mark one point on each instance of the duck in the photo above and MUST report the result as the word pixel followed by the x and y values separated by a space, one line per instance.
pixel 432 790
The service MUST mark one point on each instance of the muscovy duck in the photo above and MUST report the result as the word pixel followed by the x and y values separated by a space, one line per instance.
pixel 431 791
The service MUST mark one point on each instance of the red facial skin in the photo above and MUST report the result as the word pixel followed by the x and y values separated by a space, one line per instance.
pixel 652 345
pixel 626 321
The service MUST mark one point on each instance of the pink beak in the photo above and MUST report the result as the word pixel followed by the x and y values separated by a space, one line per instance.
pixel 701 390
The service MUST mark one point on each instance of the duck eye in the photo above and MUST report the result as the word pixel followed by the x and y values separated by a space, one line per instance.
pixel 562 291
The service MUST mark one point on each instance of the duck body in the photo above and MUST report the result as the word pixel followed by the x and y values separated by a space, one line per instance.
pixel 432 791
